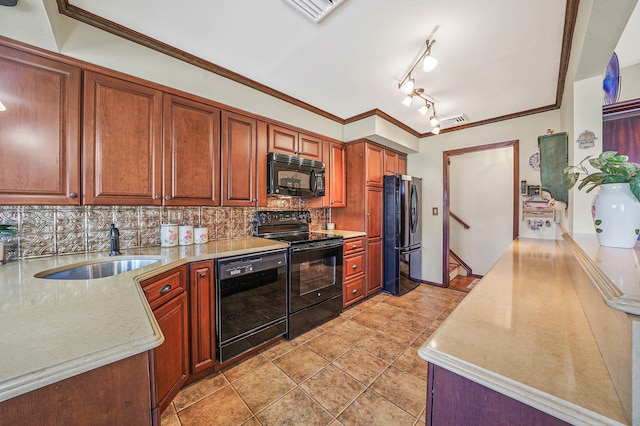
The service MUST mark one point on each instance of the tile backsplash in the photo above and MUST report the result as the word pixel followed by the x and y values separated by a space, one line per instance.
pixel 60 230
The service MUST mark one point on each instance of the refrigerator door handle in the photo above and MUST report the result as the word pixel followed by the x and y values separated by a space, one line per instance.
pixel 411 250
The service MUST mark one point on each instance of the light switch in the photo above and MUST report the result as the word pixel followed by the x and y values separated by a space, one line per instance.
pixel 434 211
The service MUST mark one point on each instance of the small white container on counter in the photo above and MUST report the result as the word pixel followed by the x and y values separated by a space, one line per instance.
pixel 168 235
pixel 200 235
pixel 185 235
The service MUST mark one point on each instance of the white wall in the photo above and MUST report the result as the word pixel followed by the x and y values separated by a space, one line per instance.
pixel 630 83
pixel 427 164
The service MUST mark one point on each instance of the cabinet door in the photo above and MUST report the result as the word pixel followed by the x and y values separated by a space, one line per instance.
pixel 310 147
pixel 402 164
pixel 374 266
pixel 374 164
pixel 191 152
pixel 122 136
pixel 202 316
pixel 338 175
pixel 239 150
pixel 390 162
pixel 40 130
pixel 170 360
pixel 373 205
pixel 283 140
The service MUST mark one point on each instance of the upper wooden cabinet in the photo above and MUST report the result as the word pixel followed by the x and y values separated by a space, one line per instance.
pixel 337 175
pixel 288 141
pixel 242 159
pixel 402 164
pixel 390 162
pixel 374 164
pixel 122 142
pixel 39 131
pixel 191 152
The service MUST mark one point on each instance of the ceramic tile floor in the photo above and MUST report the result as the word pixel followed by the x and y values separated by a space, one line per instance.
pixel 359 369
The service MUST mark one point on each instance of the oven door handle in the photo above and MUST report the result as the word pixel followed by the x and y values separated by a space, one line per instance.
pixel 314 246
pixel 313 183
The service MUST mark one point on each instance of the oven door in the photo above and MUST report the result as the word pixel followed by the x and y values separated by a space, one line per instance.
pixel 315 274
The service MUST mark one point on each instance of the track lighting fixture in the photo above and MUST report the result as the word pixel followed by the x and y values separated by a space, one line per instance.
pixel 2 107
pixel 407 86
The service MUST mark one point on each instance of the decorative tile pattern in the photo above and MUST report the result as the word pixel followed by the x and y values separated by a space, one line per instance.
pixel 52 230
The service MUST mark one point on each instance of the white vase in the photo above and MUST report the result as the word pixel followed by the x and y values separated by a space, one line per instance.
pixel 616 215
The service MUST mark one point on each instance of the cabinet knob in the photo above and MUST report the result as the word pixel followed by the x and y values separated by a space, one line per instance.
pixel 72 195
pixel 157 197
pixel 354 291
pixel 354 267
pixel 165 289
pixel 167 197
pixel 353 247
pixel 203 275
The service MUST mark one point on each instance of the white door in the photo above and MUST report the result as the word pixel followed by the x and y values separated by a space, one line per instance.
pixel 481 194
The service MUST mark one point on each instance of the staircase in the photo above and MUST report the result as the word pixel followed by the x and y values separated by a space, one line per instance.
pixel 456 268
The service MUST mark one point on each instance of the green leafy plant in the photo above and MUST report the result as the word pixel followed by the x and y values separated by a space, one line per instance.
pixel 613 168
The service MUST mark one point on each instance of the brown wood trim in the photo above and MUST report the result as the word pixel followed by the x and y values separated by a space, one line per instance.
pixel 463 264
pixel 455 217
pixel 445 194
pixel 104 24
pixel 111 27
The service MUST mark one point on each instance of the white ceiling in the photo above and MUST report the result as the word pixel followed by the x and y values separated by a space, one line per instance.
pixel 496 57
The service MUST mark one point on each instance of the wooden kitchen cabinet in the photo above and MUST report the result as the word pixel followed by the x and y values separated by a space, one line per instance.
pixel 191 152
pixel 292 142
pixel 354 271
pixel 170 361
pixel 244 161
pixel 456 400
pixel 337 175
pixel 390 162
pixel 122 142
pixel 374 164
pixel 402 164
pixel 40 130
pixel 202 316
pixel 364 205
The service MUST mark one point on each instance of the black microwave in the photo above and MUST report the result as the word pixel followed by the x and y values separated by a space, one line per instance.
pixel 294 176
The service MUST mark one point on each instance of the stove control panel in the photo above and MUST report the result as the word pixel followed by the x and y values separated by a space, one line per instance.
pixel 283 217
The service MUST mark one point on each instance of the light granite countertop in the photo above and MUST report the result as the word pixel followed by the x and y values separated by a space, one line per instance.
pixel 54 329
pixel 614 271
pixel 522 332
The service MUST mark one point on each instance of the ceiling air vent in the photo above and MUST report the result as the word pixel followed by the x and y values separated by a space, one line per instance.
pixel 316 10
pixel 453 121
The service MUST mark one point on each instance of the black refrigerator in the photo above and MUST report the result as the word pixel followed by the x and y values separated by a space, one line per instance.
pixel 402 233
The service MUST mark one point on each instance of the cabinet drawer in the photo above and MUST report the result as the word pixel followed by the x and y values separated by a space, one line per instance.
pixel 353 266
pixel 353 245
pixel 164 287
pixel 353 291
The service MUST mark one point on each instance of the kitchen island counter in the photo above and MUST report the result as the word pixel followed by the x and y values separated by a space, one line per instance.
pixel 55 329
pixel 522 332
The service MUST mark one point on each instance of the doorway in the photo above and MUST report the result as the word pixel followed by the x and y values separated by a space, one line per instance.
pixel 482 178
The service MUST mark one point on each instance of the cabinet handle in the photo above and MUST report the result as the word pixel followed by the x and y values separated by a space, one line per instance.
pixel 354 291
pixel 354 267
pixel 331 203
pixel 72 195
pixel 165 289
pixel 353 247
pixel 167 197
pixel 203 275
pixel 157 197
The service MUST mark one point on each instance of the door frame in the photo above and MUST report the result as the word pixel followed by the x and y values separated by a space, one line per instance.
pixel 515 144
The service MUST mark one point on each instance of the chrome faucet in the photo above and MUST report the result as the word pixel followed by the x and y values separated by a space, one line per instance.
pixel 114 236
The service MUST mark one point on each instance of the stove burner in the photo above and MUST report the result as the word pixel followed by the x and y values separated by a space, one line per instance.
pixel 289 226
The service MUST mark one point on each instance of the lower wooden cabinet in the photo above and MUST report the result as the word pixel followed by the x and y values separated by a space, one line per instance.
pixel 354 271
pixel 202 316
pixel 456 400
pixel 374 266
pixel 169 361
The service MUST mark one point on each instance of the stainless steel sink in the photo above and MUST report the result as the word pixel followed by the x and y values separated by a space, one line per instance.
pixel 91 271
